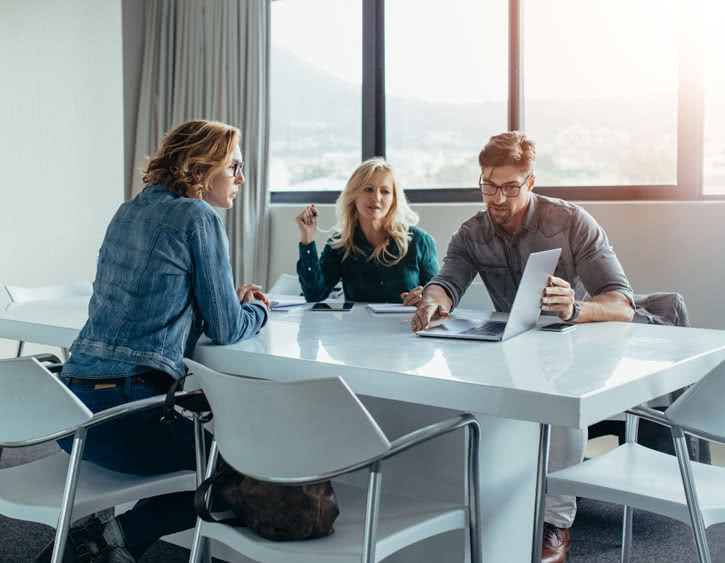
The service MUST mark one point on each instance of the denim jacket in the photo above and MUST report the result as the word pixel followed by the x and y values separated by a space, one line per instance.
pixel 163 277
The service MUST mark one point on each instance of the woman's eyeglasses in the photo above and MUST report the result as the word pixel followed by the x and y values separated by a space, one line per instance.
pixel 237 169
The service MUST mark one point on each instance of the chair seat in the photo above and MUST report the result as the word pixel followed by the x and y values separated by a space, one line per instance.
pixel 402 522
pixel 643 478
pixel 98 488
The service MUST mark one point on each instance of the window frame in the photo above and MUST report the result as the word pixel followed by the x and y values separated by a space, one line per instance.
pixel 690 119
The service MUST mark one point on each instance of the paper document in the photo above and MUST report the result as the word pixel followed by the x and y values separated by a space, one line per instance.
pixel 284 306
pixel 390 308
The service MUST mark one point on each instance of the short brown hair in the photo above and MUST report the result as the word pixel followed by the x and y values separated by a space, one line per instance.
pixel 193 146
pixel 509 149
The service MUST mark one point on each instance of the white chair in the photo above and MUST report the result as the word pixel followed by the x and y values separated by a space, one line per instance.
pixel 36 407
pixel 638 477
pixel 25 294
pixel 301 432
pixel 286 284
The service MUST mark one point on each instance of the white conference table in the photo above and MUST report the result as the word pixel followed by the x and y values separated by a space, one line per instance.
pixel 516 389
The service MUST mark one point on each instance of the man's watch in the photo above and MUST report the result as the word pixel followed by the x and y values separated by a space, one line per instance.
pixel 575 314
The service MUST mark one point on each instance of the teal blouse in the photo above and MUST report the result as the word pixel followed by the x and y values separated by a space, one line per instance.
pixel 365 279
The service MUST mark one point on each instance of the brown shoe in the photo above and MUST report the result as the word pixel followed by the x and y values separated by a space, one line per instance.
pixel 556 544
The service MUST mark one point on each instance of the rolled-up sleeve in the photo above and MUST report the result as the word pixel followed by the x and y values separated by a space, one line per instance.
pixel 594 259
pixel 317 275
pixel 225 320
pixel 458 269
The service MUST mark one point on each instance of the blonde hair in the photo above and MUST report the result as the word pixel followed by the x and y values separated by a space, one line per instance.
pixel 192 147
pixel 396 224
pixel 509 149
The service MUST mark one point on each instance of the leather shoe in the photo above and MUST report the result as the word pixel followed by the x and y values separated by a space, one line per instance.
pixel 556 544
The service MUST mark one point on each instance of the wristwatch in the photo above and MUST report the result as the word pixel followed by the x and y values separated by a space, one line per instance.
pixel 575 314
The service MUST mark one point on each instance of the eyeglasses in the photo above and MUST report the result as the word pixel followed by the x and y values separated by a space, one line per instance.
pixel 237 169
pixel 508 189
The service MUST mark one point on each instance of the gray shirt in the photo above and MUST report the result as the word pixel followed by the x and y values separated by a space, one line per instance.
pixel 587 260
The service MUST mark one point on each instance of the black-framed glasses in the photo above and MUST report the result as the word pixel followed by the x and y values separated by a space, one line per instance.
pixel 510 189
pixel 237 169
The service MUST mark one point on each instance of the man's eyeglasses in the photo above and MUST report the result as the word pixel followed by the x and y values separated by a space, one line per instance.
pixel 237 169
pixel 510 189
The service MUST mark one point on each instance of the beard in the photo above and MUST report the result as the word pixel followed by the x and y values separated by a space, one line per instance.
pixel 499 215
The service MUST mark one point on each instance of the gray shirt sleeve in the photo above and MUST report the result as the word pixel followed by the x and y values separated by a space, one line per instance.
pixel 458 268
pixel 594 259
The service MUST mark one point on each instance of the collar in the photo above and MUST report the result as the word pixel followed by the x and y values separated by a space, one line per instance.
pixel 531 221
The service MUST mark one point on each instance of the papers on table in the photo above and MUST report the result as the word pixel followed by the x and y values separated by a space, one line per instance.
pixel 390 308
pixel 286 305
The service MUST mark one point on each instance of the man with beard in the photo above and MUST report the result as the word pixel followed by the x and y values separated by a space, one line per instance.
pixel 588 285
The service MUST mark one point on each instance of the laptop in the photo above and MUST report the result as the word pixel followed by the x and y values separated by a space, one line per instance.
pixel 524 312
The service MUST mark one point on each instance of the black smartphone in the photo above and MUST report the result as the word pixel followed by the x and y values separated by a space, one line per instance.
pixel 559 327
pixel 346 306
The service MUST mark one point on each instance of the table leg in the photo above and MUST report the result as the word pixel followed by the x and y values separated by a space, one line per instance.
pixel 542 464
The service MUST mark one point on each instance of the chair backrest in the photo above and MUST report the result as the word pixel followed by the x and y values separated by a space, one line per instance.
pixel 286 284
pixel 701 406
pixel 24 294
pixel 34 403
pixel 662 308
pixel 281 431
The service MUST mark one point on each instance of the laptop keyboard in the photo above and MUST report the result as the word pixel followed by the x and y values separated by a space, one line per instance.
pixel 491 328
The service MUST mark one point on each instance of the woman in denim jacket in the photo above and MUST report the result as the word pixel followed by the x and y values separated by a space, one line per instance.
pixel 163 277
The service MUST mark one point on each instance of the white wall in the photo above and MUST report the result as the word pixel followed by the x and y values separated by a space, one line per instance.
pixel 61 136
pixel 663 246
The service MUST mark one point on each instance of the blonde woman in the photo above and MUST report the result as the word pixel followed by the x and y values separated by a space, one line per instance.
pixel 377 251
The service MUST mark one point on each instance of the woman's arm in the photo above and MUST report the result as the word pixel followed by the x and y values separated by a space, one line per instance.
pixel 428 261
pixel 226 319
pixel 318 275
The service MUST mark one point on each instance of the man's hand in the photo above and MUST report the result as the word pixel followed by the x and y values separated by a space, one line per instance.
pixel 428 314
pixel 413 297
pixel 559 298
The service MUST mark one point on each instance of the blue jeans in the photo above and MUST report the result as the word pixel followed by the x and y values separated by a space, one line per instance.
pixel 140 444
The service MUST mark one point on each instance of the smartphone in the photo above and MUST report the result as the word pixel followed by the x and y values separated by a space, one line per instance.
pixel 346 306
pixel 559 327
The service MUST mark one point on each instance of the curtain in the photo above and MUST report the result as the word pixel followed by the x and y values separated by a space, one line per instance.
pixel 210 60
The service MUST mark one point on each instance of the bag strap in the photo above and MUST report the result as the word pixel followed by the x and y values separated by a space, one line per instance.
pixel 200 505
pixel 195 402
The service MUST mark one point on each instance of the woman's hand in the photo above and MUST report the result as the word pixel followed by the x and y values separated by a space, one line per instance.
pixel 249 292
pixel 413 297
pixel 307 222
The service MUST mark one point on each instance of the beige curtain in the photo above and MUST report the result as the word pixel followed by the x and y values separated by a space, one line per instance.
pixel 210 60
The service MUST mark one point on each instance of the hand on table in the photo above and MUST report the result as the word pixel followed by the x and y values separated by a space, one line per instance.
pixel 428 315
pixel 251 291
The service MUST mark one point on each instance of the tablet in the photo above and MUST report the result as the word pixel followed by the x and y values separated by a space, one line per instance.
pixel 346 306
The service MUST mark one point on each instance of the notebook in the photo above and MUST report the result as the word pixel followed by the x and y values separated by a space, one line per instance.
pixel 524 312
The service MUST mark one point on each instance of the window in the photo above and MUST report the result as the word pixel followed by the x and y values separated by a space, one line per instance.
pixel 446 87
pixel 601 91
pixel 714 146
pixel 315 93
pixel 612 93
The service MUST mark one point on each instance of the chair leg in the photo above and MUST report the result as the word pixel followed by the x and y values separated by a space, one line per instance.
pixel 69 494
pixel 474 491
pixel 372 509
pixel 199 543
pixel 200 451
pixel 693 504
pixel 542 466
pixel 627 534
pixel 20 348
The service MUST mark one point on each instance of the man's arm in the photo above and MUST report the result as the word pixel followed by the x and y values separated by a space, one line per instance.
pixel 609 306
pixel 432 309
